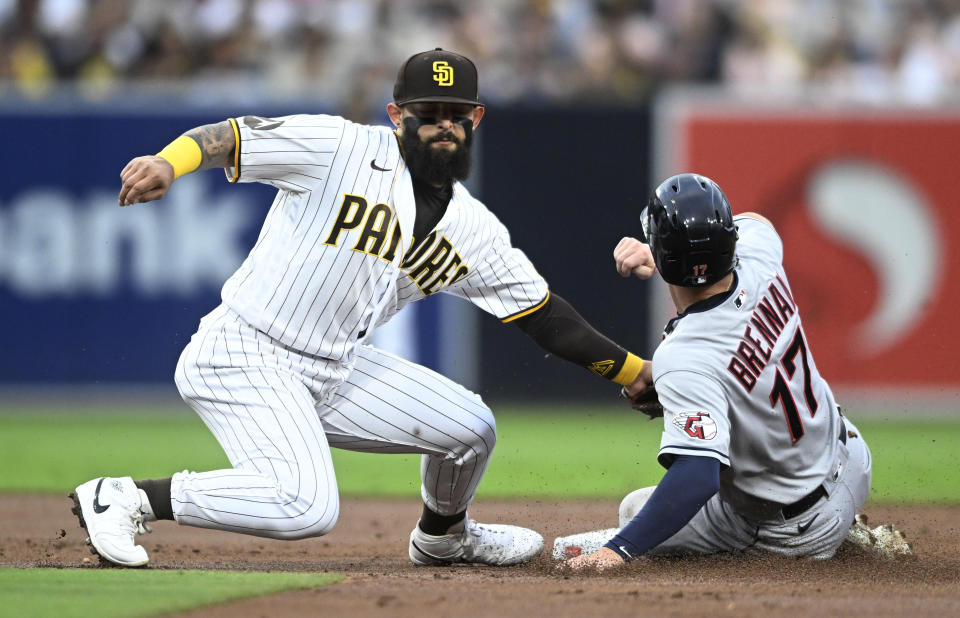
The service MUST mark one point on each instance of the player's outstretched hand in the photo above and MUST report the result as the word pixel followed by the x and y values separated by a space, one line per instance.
pixel 634 258
pixel 145 179
pixel 602 560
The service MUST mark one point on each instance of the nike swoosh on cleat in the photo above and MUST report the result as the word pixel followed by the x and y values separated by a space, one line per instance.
pixel 373 164
pixel 97 507
pixel 801 528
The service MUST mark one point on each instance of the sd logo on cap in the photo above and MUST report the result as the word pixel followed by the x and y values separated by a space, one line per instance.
pixel 443 73
pixel 438 76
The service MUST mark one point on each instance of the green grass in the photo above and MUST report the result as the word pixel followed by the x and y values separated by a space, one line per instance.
pixel 541 453
pixel 607 453
pixel 914 461
pixel 125 592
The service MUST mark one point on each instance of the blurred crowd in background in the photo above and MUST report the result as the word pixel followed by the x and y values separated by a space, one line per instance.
pixel 346 52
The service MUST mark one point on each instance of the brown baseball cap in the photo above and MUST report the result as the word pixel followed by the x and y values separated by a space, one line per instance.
pixel 437 76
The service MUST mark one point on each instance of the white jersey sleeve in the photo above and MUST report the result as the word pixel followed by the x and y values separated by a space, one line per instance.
pixel 293 153
pixel 503 282
pixel 695 417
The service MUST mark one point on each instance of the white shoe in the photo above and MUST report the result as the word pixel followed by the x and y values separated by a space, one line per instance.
pixel 109 508
pixel 884 540
pixel 468 541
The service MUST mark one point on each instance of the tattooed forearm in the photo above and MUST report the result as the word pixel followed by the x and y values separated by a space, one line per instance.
pixel 217 143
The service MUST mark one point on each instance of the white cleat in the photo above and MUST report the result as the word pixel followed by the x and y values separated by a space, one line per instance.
pixel 468 541
pixel 884 540
pixel 109 508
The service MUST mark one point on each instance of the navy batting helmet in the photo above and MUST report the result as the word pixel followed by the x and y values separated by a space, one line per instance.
pixel 689 227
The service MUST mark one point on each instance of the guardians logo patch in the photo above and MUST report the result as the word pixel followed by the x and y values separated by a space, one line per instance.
pixel 696 424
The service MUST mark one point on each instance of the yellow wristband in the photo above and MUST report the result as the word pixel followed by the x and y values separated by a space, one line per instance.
pixel 183 154
pixel 630 370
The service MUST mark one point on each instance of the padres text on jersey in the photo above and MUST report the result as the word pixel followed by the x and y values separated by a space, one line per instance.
pixel 333 259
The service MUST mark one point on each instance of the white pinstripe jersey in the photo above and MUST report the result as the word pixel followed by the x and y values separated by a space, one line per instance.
pixel 330 263
pixel 738 383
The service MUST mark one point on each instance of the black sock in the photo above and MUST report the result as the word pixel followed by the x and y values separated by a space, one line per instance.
pixel 158 493
pixel 437 524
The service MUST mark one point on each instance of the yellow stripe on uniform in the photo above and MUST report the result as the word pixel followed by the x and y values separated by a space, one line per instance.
pixel 527 311
pixel 236 151
pixel 630 370
pixel 183 154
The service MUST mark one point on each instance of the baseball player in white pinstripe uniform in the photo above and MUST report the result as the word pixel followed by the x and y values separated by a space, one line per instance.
pixel 366 220
pixel 758 456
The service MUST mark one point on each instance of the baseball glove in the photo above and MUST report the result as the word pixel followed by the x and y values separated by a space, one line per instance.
pixel 648 403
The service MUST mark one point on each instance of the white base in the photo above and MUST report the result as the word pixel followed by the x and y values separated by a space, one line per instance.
pixel 566 547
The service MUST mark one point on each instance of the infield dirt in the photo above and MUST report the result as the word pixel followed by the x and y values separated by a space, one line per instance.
pixel 369 545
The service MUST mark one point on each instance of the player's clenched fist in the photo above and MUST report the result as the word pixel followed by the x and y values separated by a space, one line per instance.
pixel 634 258
pixel 145 179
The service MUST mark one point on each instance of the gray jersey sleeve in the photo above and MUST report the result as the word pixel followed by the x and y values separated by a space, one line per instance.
pixel 758 240
pixel 293 153
pixel 695 417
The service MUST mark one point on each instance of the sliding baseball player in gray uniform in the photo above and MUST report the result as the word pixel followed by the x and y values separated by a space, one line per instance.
pixel 366 220
pixel 757 453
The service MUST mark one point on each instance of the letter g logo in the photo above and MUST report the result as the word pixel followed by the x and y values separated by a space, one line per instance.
pixel 443 73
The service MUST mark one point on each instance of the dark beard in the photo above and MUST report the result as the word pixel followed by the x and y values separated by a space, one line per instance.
pixel 437 167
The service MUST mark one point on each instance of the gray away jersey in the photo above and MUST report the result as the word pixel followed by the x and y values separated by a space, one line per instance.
pixel 331 260
pixel 738 383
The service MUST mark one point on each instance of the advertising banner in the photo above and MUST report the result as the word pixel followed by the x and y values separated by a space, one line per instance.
pixel 866 204
pixel 91 292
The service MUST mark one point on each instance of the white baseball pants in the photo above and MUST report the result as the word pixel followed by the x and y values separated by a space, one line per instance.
pixel 276 412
